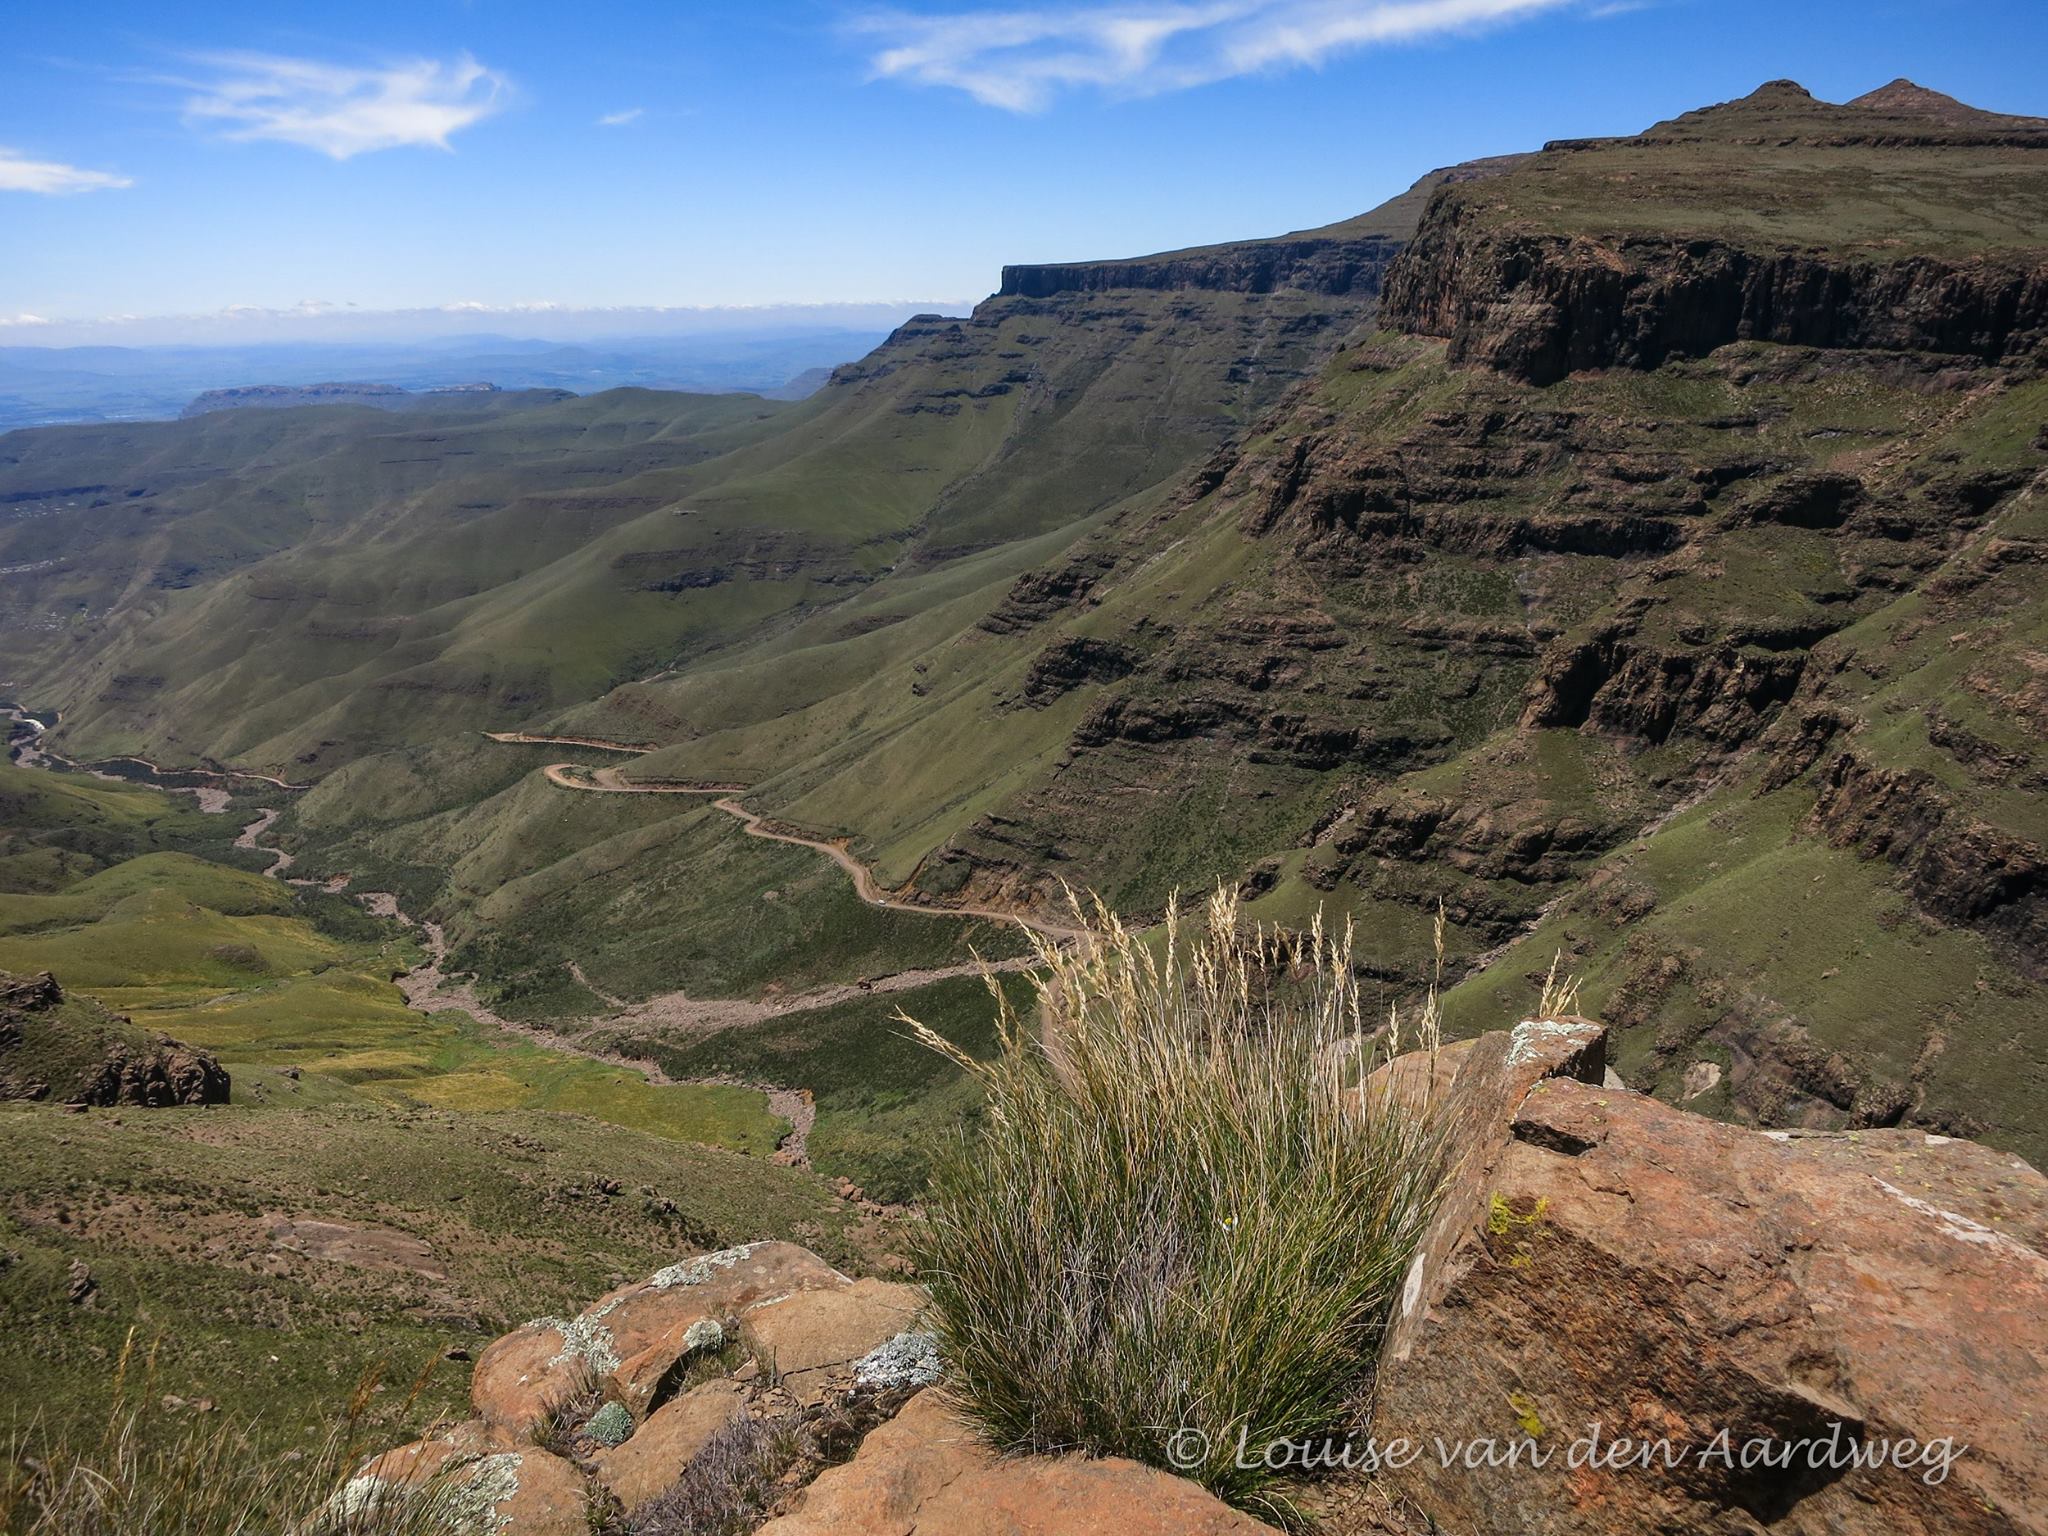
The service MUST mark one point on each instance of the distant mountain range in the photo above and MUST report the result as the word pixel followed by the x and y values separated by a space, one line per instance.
pixel 54 386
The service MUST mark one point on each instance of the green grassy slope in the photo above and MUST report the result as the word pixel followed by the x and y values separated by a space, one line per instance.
pixel 271 977
pixel 442 1229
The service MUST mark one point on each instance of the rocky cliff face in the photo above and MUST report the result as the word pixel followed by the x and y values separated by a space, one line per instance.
pixel 1311 265
pixel 1541 306
pixel 1777 218
pixel 1340 260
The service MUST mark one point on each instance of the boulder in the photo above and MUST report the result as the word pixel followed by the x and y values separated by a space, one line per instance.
pixel 650 1376
pixel 647 1465
pixel 925 1471
pixel 1805 1330
pixel 526 1493
pixel 630 1340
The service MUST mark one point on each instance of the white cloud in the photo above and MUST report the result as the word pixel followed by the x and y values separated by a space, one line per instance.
pixel 1021 59
pixel 620 119
pixel 340 110
pixel 18 173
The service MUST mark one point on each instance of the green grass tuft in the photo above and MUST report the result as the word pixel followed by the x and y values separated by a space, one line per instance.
pixel 1184 1223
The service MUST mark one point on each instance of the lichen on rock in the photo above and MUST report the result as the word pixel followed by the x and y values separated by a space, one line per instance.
pixel 911 1359
pixel 698 1270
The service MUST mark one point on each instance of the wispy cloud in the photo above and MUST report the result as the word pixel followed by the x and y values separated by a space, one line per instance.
pixel 1022 59
pixel 620 119
pixel 52 178
pixel 341 110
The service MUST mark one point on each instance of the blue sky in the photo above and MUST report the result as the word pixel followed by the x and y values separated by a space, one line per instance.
pixel 159 160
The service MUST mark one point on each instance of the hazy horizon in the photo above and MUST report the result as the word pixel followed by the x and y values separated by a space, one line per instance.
pixel 348 325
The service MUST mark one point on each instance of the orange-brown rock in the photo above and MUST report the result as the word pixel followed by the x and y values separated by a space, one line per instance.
pixel 638 1329
pixel 522 1375
pixel 810 1334
pixel 546 1496
pixel 1855 1307
pixel 476 1476
pixel 419 1463
pixel 925 1472
pixel 649 1463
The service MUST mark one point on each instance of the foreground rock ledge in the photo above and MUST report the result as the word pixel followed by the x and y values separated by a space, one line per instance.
pixel 926 1472
pixel 1605 1257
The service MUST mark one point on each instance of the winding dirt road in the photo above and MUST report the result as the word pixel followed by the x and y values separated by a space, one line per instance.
pixel 611 781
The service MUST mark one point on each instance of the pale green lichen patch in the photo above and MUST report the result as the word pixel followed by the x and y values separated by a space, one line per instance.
pixel 697 1271
pixel 471 1504
pixel 911 1359
pixel 584 1338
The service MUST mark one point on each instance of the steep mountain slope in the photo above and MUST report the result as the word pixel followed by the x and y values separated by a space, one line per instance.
pixel 1628 545
pixel 1457 624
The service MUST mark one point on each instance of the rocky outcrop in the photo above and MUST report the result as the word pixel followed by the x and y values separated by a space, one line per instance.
pixel 1616 684
pixel 1539 306
pixel 1531 841
pixel 1958 867
pixel 646 1405
pixel 1074 663
pixel 73 1051
pixel 1037 595
pixel 634 1343
pixel 1809 1332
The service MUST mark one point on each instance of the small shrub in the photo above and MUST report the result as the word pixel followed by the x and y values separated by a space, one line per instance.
pixel 612 1424
pixel 1181 1212
pixel 729 1485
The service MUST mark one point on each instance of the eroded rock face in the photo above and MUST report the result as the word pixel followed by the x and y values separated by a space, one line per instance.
pixel 1958 867
pixel 1539 306
pixel 1606 1258
pixel 925 1471
pixel 90 1056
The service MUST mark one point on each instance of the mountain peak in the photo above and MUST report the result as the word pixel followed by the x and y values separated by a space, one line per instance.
pixel 1907 98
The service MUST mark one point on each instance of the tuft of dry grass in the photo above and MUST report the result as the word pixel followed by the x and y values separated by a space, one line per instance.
pixel 1560 997
pixel 1181 1225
